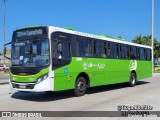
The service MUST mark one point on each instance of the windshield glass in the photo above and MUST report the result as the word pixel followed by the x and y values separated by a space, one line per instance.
pixel 30 53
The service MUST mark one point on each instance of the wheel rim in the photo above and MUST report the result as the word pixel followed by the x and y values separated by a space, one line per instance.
pixel 80 87
pixel 133 80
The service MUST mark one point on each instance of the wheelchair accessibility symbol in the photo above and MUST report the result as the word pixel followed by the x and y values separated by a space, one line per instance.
pixel 65 70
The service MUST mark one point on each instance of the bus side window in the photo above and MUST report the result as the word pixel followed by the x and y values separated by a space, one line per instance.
pixel 148 54
pixel 124 51
pixel 80 46
pixel 138 53
pixel 103 54
pixel 145 54
pixel 73 46
pixel 141 53
pixel 65 48
pixel 94 48
pixel 105 48
pixel 118 50
pixel 133 52
pixel 100 51
pixel 113 52
pixel 108 50
pixel 128 52
pixel 88 47
pixel 59 51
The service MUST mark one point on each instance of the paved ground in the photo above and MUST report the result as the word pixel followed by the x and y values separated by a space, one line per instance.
pixel 4 78
pixel 105 98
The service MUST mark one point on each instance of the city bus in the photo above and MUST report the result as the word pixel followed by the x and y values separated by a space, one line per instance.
pixel 48 58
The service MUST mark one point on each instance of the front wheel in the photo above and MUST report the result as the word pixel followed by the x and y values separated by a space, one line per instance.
pixel 80 86
pixel 132 81
pixel 49 92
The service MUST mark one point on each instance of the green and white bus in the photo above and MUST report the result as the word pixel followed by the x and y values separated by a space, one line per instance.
pixel 48 58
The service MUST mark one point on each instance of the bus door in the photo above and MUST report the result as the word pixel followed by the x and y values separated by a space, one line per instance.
pixel 61 57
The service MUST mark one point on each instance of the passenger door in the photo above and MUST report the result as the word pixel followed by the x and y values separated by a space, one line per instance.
pixel 61 56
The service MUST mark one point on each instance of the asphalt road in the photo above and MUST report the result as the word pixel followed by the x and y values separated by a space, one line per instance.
pixel 105 98
pixel 4 76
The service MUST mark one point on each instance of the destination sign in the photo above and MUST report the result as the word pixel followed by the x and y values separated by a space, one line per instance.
pixel 29 32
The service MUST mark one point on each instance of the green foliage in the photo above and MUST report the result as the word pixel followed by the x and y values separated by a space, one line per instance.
pixel 146 40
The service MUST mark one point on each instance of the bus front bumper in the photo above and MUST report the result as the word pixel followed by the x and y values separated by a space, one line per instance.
pixel 45 85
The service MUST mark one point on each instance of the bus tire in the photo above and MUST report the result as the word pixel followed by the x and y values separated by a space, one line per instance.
pixel 49 92
pixel 80 86
pixel 132 81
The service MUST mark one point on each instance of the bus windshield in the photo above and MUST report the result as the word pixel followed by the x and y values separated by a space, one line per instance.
pixel 30 53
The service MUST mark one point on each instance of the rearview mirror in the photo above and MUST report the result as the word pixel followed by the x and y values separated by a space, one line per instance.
pixel 7 52
pixel 5 49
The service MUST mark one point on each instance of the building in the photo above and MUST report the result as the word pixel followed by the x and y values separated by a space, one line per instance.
pixel 7 61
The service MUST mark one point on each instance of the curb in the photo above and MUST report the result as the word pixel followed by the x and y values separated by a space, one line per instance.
pixel 3 83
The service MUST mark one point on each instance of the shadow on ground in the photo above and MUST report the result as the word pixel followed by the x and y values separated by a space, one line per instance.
pixel 53 96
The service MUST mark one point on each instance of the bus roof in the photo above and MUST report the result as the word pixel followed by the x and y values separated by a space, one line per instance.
pixel 106 38
pixel 102 37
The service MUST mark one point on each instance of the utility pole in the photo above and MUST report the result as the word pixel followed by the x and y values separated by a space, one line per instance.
pixel 4 41
pixel 152 39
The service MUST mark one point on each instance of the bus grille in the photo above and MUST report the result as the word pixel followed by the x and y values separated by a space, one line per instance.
pixel 27 86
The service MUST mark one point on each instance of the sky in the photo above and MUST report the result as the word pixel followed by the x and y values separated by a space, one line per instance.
pixel 125 18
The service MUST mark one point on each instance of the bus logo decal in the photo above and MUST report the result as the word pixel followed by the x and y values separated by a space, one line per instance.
pixel 101 66
pixel 133 65
pixel 90 65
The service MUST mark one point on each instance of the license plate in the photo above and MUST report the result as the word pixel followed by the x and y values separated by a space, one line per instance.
pixel 22 86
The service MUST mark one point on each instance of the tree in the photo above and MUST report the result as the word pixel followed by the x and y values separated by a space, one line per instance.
pixel 138 39
pixel 146 40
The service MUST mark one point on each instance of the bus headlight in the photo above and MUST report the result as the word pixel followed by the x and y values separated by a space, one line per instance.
pixel 43 77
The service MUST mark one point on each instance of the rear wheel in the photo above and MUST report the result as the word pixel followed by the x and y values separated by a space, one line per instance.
pixel 132 81
pixel 80 86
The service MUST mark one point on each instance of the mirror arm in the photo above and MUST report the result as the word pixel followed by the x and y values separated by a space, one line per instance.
pixel 7 43
pixel 7 57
